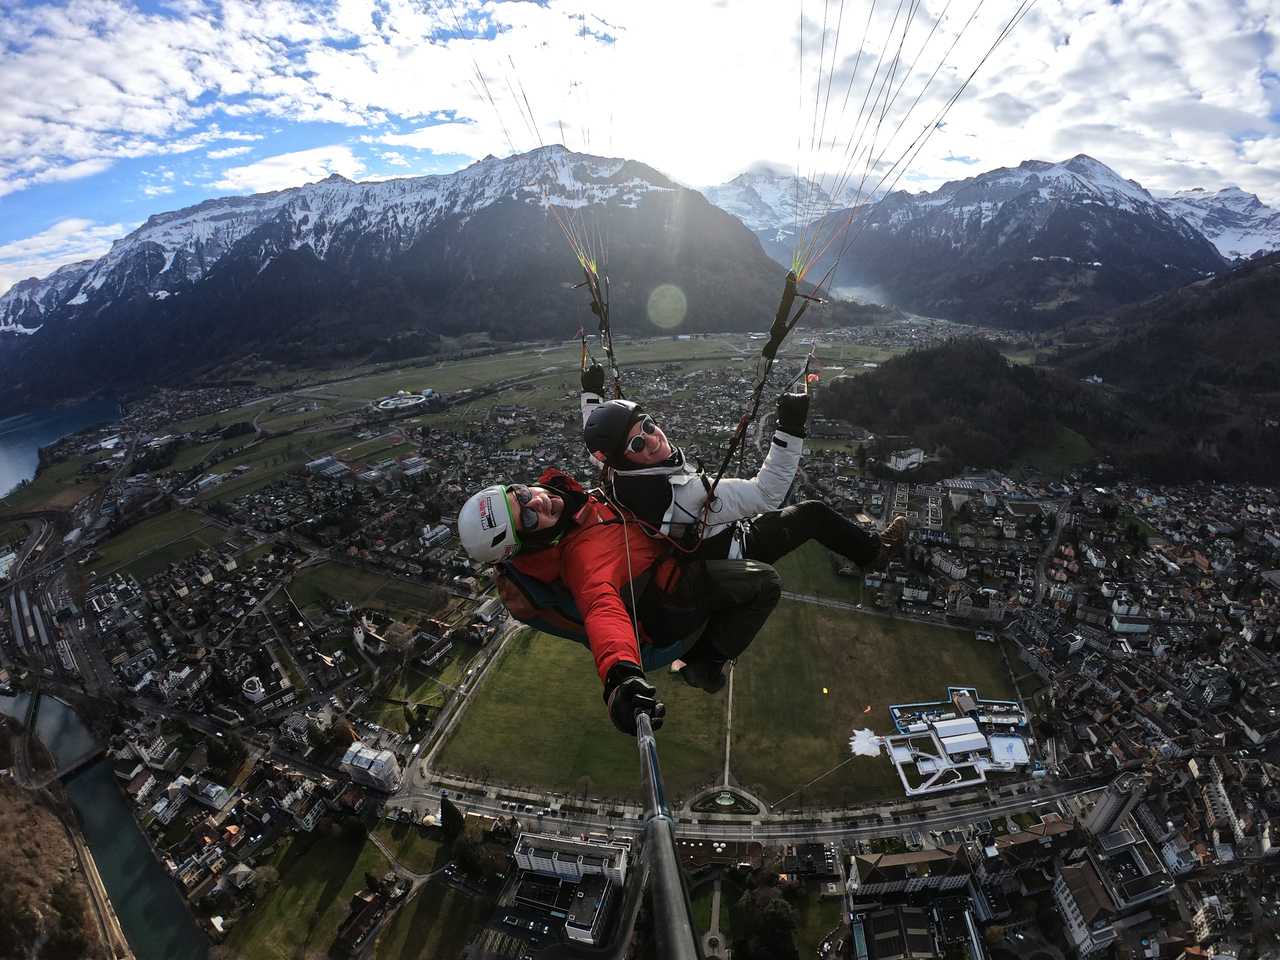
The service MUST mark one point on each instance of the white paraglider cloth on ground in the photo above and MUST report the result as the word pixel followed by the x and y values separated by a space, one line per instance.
pixel 864 743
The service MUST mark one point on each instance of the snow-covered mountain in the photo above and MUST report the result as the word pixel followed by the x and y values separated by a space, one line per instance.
pixel 1237 223
pixel 1029 245
pixel 334 218
pixel 337 269
pixel 773 203
pixel 25 305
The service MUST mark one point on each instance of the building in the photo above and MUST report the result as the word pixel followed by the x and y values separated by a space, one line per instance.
pixel 1117 800
pixel 1086 909
pixel 586 914
pixel 373 768
pixel 570 859
pixel 579 876
pixel 894 933
pixel 946 868
pixel 909 459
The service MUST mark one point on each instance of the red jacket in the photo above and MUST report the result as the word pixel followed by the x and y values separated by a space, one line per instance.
pixel 591 560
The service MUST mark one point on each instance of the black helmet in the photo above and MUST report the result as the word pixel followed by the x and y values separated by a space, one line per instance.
pixel 605 433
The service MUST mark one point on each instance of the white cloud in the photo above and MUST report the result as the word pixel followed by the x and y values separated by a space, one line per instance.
pixel 698 89
pixel 157 189
pixel 291 170
pixel 227 153
pixel 394 158
pixel 65 242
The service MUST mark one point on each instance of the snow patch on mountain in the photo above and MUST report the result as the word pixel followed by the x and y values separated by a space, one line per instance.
pixel 1237 223
pixel 769 200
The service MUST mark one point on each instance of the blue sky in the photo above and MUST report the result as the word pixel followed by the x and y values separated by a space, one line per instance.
pixel 117 110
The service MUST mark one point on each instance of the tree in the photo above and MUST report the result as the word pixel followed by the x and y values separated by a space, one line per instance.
pixel 227 752
pixel 451 820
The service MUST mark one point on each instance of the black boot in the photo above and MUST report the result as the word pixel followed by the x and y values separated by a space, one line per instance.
pixel 705 673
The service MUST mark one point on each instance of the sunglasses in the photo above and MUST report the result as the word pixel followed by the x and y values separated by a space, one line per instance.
pixel 528 516
pixel 637 443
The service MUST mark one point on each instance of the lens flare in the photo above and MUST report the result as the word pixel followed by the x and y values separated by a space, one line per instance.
pixel 667 306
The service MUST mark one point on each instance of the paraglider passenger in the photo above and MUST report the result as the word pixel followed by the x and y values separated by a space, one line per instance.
pixel 636 605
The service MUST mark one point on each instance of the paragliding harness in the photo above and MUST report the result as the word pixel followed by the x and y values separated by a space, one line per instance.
pixel 667 602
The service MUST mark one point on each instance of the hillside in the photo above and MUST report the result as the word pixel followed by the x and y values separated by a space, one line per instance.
pixel 1202 363
pixel 965 402
pixel 44 908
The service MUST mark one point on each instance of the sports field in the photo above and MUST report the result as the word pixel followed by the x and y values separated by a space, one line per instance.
pixel 787 731
pixel 539 719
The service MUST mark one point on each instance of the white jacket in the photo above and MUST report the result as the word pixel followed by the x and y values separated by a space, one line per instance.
pixel 736 498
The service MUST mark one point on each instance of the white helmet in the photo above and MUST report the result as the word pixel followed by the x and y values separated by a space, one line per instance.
pixel 486 528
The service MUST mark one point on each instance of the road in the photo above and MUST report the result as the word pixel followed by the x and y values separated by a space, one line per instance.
pixel 779 829
pixel 1060 521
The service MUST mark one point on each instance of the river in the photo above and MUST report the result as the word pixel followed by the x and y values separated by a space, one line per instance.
pixel 22 436
pixel 151 911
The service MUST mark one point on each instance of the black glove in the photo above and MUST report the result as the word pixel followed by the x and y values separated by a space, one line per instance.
pixel 626 693
pixel 793 411
pixel 593 379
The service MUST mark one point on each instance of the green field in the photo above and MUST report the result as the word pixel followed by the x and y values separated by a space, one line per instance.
pixel 315 586
pixel 437 924
pixel 786 731
pixel 269 460
pixel 194 454
pixel 299 918
pixel 147 547
pixel 221 418
pixel 58 487
pixel 1066 449
pixel 539 719
pixel 416 848
pixel 809 571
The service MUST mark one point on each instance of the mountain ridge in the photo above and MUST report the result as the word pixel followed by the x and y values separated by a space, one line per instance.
pixel 1026 246
pixel 337 269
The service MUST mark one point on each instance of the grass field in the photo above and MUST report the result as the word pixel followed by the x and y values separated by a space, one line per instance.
pixel 271 459
pixel 452 376
pixel 361 588
pixel 539 719
pixel 437 924
pixel 58 487
pixel 298 919
pixel 189 456
pixel 786 732
pixel 1066 449
pixel 159 560
pixel 416 848
pixel 809 571
pixel 147 547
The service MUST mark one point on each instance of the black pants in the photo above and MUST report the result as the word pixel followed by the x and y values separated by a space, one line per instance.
pixel 725 602
pixel 773 535
pixel 739 596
